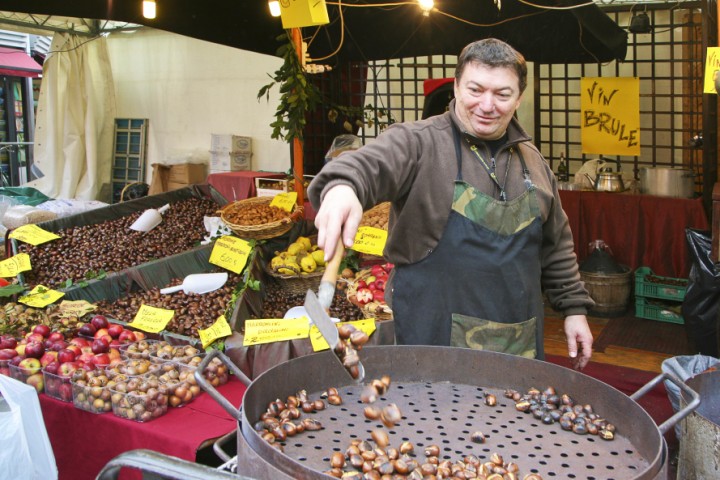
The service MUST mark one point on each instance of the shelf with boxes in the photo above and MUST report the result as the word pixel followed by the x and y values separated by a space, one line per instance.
pixel 659 298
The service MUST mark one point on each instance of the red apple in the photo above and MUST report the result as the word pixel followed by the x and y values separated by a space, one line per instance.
pixel 140 335
pixel 16 360
pixel 34 349
pixel 48 357
pixel 100 332
pixel 85 358
pixel 6 341
pixel 37 381
pixel 34 337
pixel 99 321
pixel 42 329
pixel 30 365
pixel 59 345
pixel 65 392
pixel 79 341
pixel 67 368
pixel 7 353
pixel 100 345
pixel 114 330
pixel 52 367
pixel 20 349
pixel 116 343
pixel 87 330
pixel 66 355
pixel 127 336
pixel 102 359
pixel 74 348
pixel 56 336
pixel 114 353
pixel 90 365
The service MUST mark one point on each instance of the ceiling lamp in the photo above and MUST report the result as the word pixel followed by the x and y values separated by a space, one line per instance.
pixel 426 6
pixel 274 8
pixel 640 22
pixel 149 9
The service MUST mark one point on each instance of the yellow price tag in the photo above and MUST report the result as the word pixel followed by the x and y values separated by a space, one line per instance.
pixel 303 13
pixel 151 319
pixel 318 341
pixel 219 329
pixel 286 201
pixel 14 265
pixel 370 240
pixel 32 234
pixel 76 308
pixel 230 253
pixel 275 330
pixel 40 297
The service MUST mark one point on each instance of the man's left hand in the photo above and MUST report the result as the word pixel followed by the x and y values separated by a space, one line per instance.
pixel 579 339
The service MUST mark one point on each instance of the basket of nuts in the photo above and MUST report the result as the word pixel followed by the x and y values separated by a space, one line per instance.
pixel 378 216
pixel 255 218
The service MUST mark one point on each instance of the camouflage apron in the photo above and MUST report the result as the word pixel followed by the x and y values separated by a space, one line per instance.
pixel 480 287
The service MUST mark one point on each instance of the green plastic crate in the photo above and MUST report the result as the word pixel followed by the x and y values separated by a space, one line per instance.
pixel 666 288
pixel 655 310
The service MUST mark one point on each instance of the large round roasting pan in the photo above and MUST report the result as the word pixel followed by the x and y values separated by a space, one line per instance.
pixel 440 392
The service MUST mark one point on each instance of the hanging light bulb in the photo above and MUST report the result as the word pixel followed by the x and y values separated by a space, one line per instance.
pixel 149 9
pixel 426 6
pixel 274 8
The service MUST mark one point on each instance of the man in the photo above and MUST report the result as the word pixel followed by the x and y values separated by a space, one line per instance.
pixel 477 232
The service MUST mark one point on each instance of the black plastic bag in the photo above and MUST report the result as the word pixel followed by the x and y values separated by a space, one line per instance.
pixel 702 299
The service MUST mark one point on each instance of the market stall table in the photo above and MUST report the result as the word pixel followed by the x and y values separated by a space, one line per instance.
pixel 641 230
pixel 84 442
pixel 239 185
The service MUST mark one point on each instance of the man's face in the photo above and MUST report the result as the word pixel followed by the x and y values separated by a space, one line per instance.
pixel 486 99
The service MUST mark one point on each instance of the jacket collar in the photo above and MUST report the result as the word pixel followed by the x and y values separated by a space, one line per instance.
pixel 515 131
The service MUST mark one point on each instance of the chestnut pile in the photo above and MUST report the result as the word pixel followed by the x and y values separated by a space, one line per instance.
pixel 111 246
pixel 278 301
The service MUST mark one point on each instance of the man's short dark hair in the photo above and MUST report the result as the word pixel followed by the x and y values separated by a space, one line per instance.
pixel 493 53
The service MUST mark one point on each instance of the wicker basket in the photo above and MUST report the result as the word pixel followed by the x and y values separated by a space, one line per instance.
pixel 378 216
pixel 297 284
pixel 376 310
pixel 264 231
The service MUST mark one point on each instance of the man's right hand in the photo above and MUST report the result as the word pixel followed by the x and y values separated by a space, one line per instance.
pixel 340 212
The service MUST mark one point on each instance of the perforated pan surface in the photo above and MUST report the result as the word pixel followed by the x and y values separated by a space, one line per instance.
pixel 440 392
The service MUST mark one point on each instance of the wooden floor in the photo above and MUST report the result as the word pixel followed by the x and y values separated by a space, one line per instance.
pixel 642 359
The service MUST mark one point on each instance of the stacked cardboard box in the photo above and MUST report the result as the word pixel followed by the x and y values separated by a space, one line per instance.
pixel 230 153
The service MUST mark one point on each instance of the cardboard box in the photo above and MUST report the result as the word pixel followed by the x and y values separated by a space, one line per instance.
pixel 188 173
pixel 229 161
pixel 176 186
pixel 231 143
pixel 269 187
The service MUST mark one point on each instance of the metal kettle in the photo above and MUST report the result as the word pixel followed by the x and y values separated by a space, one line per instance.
pixel 607 181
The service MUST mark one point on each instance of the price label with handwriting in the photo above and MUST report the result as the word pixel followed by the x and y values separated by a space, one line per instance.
pixel 230 253
pixel 285 200
pixel 14 265
pixel 32 234
pixel 40 297
pixel 76 308
pixel 275 330
pixel 151 319
pixel 219 329
pixel 370 240
pixel 318 341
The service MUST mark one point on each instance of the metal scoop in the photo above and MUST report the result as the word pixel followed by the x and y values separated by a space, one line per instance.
pixel 199 283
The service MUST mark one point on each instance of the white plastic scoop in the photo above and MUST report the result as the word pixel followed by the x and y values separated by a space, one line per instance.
pixel 199 283
pixel 149 219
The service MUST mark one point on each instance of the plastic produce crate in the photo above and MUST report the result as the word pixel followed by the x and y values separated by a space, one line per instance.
pixel 647 284
pixel 651 310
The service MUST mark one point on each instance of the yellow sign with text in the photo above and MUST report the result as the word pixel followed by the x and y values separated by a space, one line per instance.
pixel 76 308
pixel 14 265
pixel 40 297
pixel 286 201
pixel 370 240
pixel 230 253
pixel 610 115
pixel 712 69
pixel 219 329
pixel 33 234
pixel 318 341
pixel 275 330
pixel 151 319
pixel 303 13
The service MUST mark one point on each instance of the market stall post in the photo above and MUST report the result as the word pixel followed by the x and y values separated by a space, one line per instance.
pixel 298 169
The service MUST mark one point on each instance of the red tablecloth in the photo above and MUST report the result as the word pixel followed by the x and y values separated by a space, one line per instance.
pixel 83 442
pixel 238 185
pixel 641 230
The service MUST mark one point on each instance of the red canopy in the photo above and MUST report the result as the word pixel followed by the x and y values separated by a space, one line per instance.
pixel 18 63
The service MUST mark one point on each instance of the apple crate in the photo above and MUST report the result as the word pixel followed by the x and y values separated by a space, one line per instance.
pixel 647 284
pixel 29 375
pixel 90 391
pixel 58 386
pixel 140 405
pixel 269 187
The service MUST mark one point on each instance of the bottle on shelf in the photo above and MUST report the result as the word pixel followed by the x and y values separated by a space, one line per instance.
pixel 562 169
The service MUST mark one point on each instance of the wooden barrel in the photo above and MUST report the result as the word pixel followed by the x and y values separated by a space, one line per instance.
pixel 610 291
